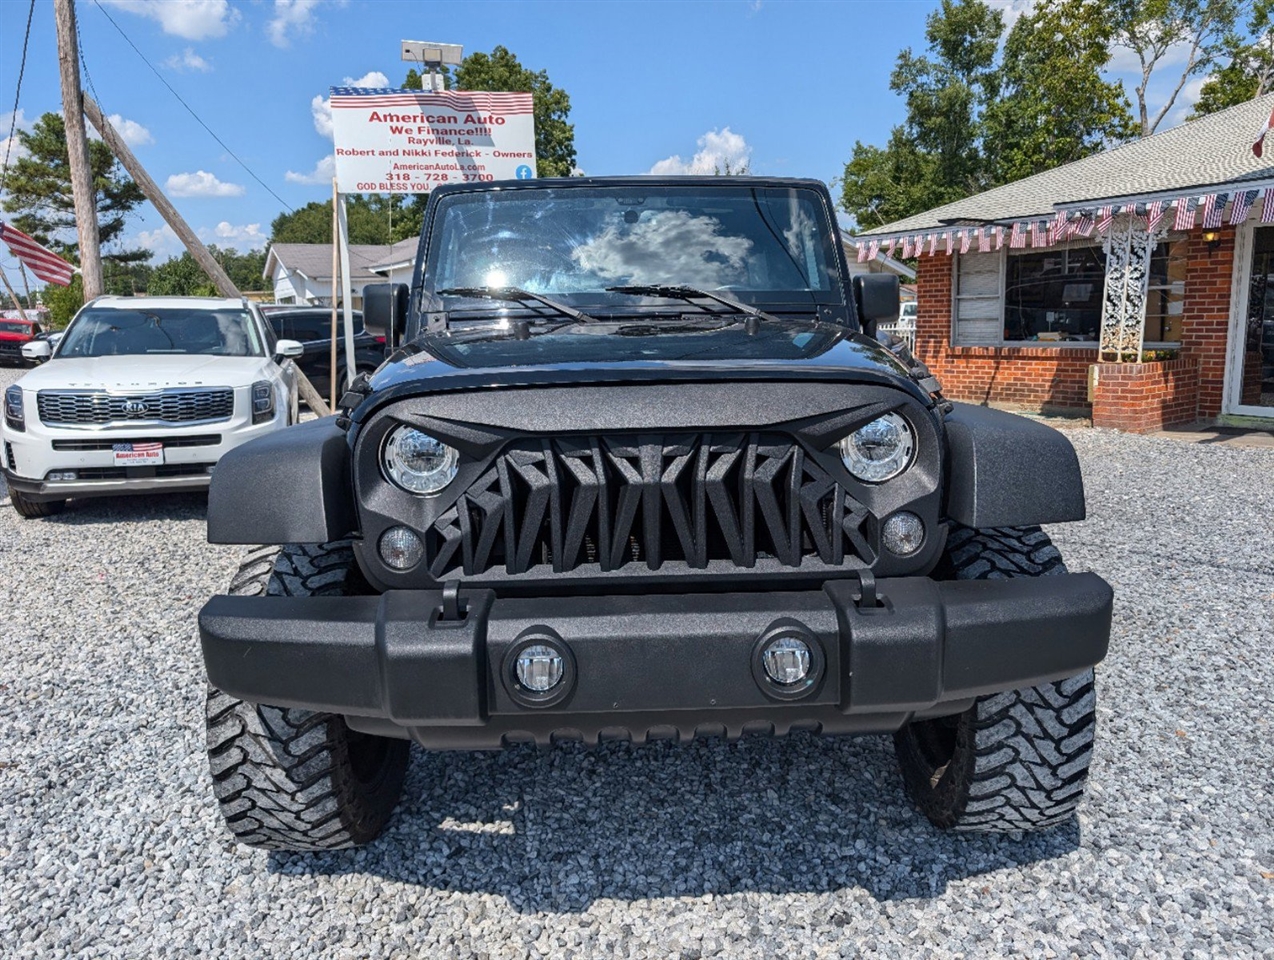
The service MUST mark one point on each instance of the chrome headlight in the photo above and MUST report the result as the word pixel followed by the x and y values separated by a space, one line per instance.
pixel 879 451
pixel 14 413
pixel 418 462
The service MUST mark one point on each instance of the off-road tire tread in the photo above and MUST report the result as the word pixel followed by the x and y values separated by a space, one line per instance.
pixel 283 776
pixel 1022 756
pixel 33 509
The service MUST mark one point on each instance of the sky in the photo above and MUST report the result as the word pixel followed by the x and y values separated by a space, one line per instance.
pixel 786 86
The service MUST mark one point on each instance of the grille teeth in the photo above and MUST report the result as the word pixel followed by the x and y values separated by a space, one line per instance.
pixel 640 502
pixel 75 408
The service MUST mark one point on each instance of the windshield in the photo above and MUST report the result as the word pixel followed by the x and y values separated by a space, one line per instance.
pixel 762 245
pixel 142 330
pixel 11 326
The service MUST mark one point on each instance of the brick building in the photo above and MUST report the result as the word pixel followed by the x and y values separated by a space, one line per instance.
pixel 1135 286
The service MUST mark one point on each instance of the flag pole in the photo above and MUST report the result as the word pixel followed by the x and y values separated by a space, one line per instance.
pixel 13 296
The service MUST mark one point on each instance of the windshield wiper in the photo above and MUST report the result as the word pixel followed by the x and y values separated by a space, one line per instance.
pixel 516 294
pixel 682 292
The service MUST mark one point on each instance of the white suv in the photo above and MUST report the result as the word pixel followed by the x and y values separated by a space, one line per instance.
pixel 143 394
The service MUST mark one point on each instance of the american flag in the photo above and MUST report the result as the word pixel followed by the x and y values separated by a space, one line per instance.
pixel 1105 217
pixel 1155 216
pixel 933 244
pixel 1242 204
pixel 999 238
pixel 984 240
pixel 872 249
pixel 1017 239
pixel 1259 146
pixel 1059 224
pixel 862 252
pixel 949 241
pixel 1213 209
pixel 906 248
pixel 1039 233
pixel 1185 213
pixel 1084 223
pixel 1267 208
pixel 965 237
pixel 889 247
pixel 45 264
pixel 136 447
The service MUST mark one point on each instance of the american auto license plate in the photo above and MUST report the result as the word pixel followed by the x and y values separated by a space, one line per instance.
pixel 138 454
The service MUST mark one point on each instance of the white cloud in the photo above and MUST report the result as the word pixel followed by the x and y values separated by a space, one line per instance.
pixel 133 133
pixel 1011 9
pixel 188 19
pixel 321 106
pixel 161 242
pixel 188 62
pixel 323 172
pixel 244 236
pixel 293 18
pixel 15 149
pixel 201 183
pixel 718 150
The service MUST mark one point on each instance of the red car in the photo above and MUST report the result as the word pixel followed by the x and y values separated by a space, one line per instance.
pixel 13 334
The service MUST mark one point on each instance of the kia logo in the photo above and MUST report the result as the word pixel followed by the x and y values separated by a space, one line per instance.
pixel 135 406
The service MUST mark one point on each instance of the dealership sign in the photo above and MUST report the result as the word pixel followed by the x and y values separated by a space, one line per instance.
pixel 407 141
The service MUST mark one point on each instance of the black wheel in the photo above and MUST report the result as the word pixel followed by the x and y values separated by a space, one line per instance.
pixel 1014 761
pixel 290 779
pixel 26 507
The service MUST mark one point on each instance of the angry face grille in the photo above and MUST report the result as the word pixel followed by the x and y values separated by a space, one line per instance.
pixel 648 500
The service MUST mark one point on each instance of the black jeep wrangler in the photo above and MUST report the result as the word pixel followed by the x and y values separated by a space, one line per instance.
pixel 639 469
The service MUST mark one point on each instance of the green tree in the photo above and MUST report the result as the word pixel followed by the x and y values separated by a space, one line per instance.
pixel 38 188
pixel 63 302
pixel 1249 71
pixel 554 137
pixel 180 277
pixel 373 218
pixel 244 269
pixel 1183 38
pixel 1054 107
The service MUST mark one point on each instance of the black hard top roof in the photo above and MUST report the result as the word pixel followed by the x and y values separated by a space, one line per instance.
pixel 646 181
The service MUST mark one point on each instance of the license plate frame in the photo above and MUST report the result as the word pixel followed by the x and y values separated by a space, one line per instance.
pixel 138 454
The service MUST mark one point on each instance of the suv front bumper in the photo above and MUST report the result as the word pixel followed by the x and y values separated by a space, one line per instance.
pixel 655 665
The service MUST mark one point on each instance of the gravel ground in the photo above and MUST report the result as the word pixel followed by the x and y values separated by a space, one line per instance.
pixel 110 844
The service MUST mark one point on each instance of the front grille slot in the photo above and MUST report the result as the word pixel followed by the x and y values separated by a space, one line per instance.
pixel 108 443
pixel 8 457
pixel 142 473
pixel 630 503
pixel 92 407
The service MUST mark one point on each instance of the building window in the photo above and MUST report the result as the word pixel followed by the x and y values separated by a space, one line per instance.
pixel 1055 295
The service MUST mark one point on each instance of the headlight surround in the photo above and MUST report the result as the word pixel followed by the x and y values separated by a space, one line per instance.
pixel 417 462
pixel 14 412
pixel 262 401
pixel 880 450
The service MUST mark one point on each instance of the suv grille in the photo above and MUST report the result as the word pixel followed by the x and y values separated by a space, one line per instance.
pixel 747 499
pixel 77 407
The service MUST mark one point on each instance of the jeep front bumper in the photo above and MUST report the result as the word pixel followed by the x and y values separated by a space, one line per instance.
pixel 657 665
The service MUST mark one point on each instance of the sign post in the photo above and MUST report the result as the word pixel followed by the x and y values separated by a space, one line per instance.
pixel 408 141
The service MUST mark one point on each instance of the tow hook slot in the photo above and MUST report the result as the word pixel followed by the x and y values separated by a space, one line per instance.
pixel 867 599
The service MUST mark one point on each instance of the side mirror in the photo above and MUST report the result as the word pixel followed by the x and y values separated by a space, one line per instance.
pixel 876 296
pixel 288 349
pixel 385 311
pixel 37 350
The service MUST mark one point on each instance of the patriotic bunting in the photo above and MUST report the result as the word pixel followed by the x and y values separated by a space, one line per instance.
pixel 933 244
pixel 1242 204
pixel 873 249
pixel 1154 216
pixel 999 238
pixel 1186 207
pixel 862 253
pixel 906 248
pixel 1267 208
pixel 1039 233
pixel 984 240
pixel 947 238
pixel 964 241
pixel 1105 216
pixel 1213 208
pixel 45 264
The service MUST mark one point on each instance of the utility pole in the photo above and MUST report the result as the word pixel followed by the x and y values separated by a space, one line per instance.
pixel 77 150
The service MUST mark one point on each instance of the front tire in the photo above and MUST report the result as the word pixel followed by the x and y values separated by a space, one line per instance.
pixel 33 509
pixel 1016 760
pixel 292 779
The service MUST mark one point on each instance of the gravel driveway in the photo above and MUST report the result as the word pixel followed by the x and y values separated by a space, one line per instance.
pixel 110 844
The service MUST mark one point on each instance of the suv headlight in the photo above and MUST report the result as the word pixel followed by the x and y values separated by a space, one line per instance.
pixel 262 401
pixel 418 462
pixel 14 414
pixel 879 451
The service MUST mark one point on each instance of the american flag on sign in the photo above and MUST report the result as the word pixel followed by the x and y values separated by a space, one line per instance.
pixel 1154 216
pixel 1242 205
pixel 1186 207
pixel 136 447
pixel 45 264
pixel 1213 208
pixel 1267 208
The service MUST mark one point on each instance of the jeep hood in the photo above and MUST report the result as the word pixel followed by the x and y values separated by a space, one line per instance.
pixel 695 348
pixel 148 371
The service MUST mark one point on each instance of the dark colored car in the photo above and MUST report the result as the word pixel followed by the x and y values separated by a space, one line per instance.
pixel 641 470
pixel 312 327
pixel 13 334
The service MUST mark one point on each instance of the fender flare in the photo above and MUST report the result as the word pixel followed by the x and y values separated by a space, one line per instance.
pixel 290 486
pixel 1008 471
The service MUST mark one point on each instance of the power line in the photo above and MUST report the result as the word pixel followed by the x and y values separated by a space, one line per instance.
pixel 13 123
pixel 189 109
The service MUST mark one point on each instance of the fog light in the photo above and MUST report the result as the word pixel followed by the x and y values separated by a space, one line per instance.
pixel 786 661
pixel 539 668
pixel 401 548
pixel 903 534
pixel 63 475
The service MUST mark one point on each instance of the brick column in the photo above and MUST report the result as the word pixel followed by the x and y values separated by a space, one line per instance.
pixel 1205 320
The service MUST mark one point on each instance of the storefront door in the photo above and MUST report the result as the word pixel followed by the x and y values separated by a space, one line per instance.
pixel 1253 372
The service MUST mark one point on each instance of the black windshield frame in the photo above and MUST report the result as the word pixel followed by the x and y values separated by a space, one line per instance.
pixel 824 295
